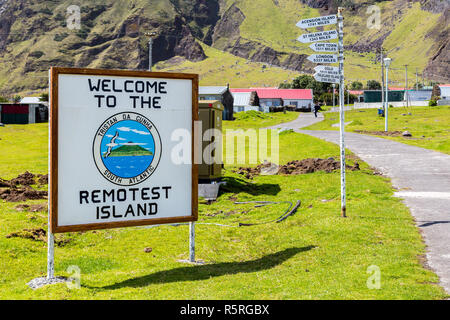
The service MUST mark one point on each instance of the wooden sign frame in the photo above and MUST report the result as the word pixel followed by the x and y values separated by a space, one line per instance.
pixel 53 156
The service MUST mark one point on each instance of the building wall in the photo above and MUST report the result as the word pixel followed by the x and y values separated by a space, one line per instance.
pixel 299 103
pixel 420 95
pixel 375 96
pixel 245 108
pixel 270 102
pixel 445 93
pixel 227 100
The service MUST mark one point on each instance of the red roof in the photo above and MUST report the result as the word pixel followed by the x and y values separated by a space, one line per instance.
pixel 397 88
pixel 444 85
pixel 356 92
pixel 286 94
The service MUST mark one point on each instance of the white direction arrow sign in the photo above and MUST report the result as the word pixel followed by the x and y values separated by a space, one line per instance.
pixel 323 58
pixel 326 70
pixel 318 36
pixel 324 47
pixel 317 22
pixel 326 78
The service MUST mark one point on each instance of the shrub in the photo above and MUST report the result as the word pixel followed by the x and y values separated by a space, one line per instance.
pixel 432 103
pixel 60 37
pixel 36 54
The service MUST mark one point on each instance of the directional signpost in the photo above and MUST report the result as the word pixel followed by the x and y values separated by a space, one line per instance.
pixel 323 58
pixel 317 22
pixel 324 47
pixel 326 78
pixel 318 36
pixel 329 74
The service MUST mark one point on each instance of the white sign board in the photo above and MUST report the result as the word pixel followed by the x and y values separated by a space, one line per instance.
pixel 317 22
pixel 323 58
pixel 324 47
pixel 322 77
pixel 113 136
pixel 327 70
pixel 318 36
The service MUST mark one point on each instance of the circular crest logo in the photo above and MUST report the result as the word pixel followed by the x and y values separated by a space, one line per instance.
pixel 127 148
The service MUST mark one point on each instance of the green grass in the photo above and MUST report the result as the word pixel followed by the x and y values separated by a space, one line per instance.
pixel 220 68
pixel 257 119
pixel 314 254
pixel 429 126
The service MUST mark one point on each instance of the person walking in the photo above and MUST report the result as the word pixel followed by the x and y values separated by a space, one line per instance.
pixel 316 108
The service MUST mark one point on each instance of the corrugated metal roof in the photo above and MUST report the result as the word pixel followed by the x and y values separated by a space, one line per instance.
pixel 212 89
pixel 242 98
pixel 288 94
pixel 30 100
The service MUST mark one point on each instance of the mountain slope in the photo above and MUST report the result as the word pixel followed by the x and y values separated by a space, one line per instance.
pixel 257 37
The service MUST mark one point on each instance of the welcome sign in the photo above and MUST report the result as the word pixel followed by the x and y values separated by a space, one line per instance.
pixel 111 148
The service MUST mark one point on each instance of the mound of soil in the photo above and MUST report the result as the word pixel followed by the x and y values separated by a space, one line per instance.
pixel 33 234
pixel 381 133
pixel 250 172
pixel 43 178
pixel 31 208
pixel 24 179
pixel 4 183
pixel 295 167
pixel 36 234
pixel 16 195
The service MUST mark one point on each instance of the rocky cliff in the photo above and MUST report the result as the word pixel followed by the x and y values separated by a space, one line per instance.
pixel 34 35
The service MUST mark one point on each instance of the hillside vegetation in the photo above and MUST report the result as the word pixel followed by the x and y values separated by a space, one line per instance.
pixel 242 42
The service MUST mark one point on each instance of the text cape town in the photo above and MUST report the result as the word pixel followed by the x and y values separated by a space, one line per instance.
pixel 143 94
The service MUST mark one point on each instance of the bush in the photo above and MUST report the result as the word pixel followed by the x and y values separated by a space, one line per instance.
pixel 36 54
pixel 432 103
pixel 252 114
pixel 60 37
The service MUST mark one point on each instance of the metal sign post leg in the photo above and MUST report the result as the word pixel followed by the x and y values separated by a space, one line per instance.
pixel 50 255
pixel 191 241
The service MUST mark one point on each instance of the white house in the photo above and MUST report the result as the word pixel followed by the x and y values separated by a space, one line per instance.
pixel 445 91
pixel 245 101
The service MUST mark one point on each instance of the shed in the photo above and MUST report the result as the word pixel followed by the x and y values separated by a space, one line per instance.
pixel 221 94
pixel 22 113
pixel 359 95
pixel 245 101
pixel 375 95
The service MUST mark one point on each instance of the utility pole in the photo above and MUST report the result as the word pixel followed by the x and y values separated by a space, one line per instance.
pixel 387 62
pixel 150 49
pixel 406 86
pixel 334 99
pixel 382 79
pixel 417 81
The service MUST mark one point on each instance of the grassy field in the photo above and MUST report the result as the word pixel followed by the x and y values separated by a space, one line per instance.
pixel 429 126
pixel 314 254
pixel 256 119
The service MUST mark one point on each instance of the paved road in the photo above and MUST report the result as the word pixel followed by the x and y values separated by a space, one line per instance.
pixel 422 177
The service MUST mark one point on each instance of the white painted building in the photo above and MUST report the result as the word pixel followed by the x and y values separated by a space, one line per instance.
pixel 245 101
